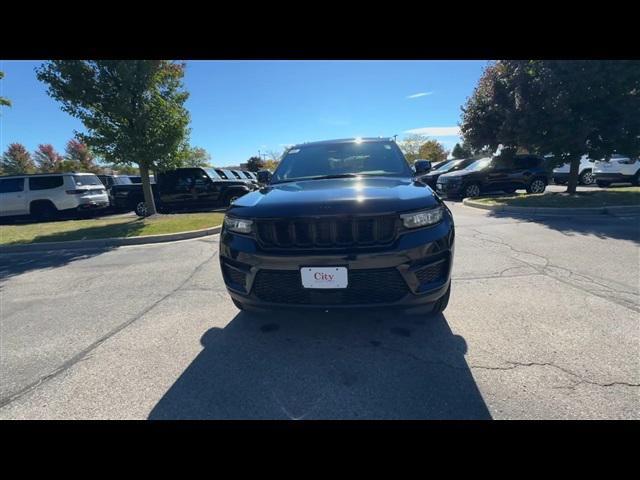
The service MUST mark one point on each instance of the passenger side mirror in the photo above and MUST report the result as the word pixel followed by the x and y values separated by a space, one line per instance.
pixel 422 166
pixel 264 177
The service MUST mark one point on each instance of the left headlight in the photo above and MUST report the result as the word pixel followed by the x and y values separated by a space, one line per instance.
pixel 238 225
pixel 422 218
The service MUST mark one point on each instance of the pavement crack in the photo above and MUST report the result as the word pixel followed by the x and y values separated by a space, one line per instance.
pixel 581 380
pixel 83 354
pixel 567 276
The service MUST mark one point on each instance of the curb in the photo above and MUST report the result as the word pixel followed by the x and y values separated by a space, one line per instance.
pixel 110 242
pixel 633 209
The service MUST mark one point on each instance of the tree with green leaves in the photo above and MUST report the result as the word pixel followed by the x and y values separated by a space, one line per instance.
pixel 197 157
pixel 16 160
pixel 564 108
pixel 410 146
pixel 433 151
pixel 47 159
pixel 461 151
pixel 4 102
pixel 133 110
pixel 255 164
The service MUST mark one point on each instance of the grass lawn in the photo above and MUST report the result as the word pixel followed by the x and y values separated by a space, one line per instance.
pixel 62 231
pixel 601 198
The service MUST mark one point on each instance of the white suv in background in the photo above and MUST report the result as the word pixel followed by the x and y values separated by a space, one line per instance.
pixel 585 173
pixel 619 169
pixel 45 195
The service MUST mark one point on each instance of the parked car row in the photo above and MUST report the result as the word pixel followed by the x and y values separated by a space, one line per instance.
pixel 619 169
pixel 52 195
pixel 470 178
pixel 184 188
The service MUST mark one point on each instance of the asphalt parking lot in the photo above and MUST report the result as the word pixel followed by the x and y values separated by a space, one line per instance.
pixel 543 323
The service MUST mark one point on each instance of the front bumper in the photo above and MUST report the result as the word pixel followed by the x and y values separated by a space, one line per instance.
pixel 449 189
pixel 612 177
pixel 405 261
pixel 93 204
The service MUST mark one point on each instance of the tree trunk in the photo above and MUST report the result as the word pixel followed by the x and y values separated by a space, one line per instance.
pixel 573 174
pixel 146 189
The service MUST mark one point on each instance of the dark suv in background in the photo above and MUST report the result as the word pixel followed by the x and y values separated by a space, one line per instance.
pixel 431 178
pixel 339 224
pixel 182 189
pixel 493 174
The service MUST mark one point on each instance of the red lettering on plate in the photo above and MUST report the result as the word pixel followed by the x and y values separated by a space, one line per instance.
pixel 323 276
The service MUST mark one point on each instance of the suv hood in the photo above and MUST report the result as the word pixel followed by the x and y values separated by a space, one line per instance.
pixel 360 196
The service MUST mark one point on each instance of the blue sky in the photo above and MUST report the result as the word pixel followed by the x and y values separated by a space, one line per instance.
pixel 240 107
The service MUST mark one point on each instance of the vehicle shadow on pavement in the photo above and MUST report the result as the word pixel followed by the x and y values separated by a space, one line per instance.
pixel 13 264
pixel 602 226
pixel 372 365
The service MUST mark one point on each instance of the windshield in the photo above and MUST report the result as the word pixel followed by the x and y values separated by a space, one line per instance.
pixel 122 181
pixel 479 164
pixel 213 175
pixel 331 159
pixel 448 166
pixel 87 180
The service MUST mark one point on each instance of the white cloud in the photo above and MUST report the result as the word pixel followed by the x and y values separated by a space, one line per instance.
pixel 436 131
pixel 421 94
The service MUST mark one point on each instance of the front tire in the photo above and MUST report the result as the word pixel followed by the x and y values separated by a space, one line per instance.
pixel 232 197
pixel 442 303
pixel 586 178
pixel 238 305
pixel 537 186
pixel 471 190
pixel 141 209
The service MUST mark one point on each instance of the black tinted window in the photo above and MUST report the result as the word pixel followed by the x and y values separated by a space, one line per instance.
pixel 529 162
pixel 45 183
pixel 9 185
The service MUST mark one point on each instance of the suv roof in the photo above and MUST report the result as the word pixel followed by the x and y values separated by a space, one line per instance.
pixel 345 140
pixel 46 174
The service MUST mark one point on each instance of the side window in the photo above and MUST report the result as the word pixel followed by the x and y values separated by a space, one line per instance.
pixel 201 179
pixel 185 180
pixel 222 174
pixel 45 183
pixel 529 162
pixel 11 185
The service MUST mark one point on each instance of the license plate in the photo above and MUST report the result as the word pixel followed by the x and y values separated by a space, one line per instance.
pixel 438 186
pixel 324 277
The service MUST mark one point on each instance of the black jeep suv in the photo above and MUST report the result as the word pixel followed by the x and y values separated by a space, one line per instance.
pixel 496 174
pixel 340 223
pixel 449 166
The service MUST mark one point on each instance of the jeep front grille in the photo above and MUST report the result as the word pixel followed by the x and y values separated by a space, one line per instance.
pixel 327 232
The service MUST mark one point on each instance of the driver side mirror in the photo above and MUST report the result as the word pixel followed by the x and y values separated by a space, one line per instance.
pixel 264 177
pixel 422 166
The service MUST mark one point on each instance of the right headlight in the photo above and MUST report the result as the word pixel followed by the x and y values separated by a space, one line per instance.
pixel 422 218
pixel 238 225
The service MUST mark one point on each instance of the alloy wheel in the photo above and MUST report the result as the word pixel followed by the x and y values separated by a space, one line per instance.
pixel 472 190
pixel 587 178
pixel 141 209
pixel 537 186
